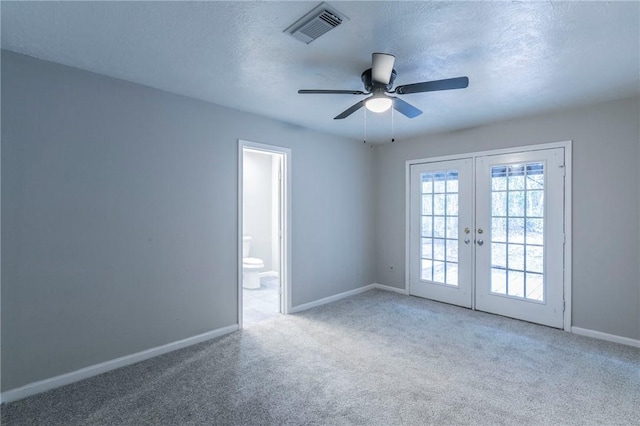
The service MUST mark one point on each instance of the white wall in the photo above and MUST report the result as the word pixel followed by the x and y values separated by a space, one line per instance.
pixel 119 216
pixel 606 214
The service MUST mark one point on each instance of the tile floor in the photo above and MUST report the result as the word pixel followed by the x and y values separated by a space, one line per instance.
pixel 261 303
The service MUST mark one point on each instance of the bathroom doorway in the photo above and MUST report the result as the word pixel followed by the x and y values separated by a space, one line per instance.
pixel 263 197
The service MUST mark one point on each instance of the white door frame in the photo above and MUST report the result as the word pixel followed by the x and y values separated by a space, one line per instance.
pixel 285 222
pixel 567 210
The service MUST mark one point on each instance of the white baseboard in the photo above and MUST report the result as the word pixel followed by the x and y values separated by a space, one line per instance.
pixel 605 336
pixel 389 288
pixel 330 299
pixel 339 296
pixel 103 367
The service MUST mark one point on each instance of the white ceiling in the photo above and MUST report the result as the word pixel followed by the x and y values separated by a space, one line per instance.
pixel 520 57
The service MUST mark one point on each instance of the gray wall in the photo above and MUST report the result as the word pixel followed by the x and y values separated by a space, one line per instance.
pixel 119 216
pixel 606 216
pixel 119 213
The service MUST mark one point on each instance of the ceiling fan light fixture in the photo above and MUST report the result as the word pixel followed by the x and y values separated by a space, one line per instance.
pixel 378 104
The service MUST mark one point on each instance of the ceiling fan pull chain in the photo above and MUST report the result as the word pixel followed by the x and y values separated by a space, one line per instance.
pixel 392 128
pixel 365 125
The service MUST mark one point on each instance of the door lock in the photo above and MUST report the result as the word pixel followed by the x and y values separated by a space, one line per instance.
pixel 467 230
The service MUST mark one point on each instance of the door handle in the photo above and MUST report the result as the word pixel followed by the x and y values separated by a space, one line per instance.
pixel 480 242
pixel 467 241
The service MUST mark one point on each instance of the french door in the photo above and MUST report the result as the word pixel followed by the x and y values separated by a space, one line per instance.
pixel 441 223
pixel 488 233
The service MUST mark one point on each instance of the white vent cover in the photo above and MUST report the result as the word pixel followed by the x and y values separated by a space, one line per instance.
pixel 315 23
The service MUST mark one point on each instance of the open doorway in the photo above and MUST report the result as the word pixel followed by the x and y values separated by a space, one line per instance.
pixel 263 199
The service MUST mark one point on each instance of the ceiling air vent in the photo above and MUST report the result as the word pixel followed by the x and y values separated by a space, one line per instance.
pixel 315 23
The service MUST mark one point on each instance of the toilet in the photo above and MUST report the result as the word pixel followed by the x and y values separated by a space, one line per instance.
pixel 251 266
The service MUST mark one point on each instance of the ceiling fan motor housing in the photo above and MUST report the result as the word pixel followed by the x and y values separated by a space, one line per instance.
pixel 373 86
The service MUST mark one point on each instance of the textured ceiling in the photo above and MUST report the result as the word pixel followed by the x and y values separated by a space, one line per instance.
pixel 521 58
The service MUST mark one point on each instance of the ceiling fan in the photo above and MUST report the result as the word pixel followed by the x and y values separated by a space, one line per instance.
pixel 378 81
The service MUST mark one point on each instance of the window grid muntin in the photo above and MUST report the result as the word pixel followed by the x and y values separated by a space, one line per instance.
pixel 444 185
pixel 533 180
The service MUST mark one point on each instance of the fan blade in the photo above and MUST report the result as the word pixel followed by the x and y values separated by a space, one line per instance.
pixel 432 86
pixel 381 67
pixel 332 92
pixel 350 110
pixel 405 108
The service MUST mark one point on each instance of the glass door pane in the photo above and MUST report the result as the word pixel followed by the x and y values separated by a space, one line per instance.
pixel 439 227
pixel 517 230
